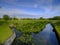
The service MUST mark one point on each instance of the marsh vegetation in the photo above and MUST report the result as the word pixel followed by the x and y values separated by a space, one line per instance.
pixel 26 26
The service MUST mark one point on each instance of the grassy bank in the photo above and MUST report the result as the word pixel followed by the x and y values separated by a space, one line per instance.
pixel 5 32
pixel 56 24
pixel 58 30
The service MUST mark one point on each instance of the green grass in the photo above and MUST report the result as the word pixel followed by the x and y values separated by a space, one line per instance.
pixel 30 25
pixel 56 23
pixel 58 30
pixel 5 33
pixel 26 38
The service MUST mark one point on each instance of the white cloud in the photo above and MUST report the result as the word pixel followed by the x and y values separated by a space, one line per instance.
pixel 15 12
pixel 46 5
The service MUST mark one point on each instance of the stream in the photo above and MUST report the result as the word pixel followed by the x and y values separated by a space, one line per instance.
pixel 45 37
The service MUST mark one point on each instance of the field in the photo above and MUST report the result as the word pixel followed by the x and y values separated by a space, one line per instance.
pixel 5 32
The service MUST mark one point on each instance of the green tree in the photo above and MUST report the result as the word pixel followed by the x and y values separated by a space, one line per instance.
pixel 6 17
pixel 41 18
pixel 55 18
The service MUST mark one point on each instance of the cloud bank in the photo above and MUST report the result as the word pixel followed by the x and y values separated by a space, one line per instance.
pixel 30 8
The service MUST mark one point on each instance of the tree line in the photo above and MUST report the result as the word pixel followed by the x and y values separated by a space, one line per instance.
pixel 7 17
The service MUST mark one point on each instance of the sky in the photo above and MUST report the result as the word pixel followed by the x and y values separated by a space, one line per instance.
pixel 30 8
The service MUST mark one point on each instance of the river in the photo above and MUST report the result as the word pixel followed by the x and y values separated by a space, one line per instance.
pixel 45 37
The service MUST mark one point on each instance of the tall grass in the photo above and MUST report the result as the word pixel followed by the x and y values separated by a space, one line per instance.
pixel 30 25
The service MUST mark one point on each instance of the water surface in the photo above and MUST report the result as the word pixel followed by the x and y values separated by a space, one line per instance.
pixel 46 37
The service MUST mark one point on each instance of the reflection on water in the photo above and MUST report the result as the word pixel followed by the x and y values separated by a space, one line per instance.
pixel 46 37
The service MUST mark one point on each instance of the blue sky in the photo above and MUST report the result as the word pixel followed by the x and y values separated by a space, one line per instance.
pixel 30 8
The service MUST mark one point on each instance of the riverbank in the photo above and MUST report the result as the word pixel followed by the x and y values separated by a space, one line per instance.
pixel 10 40
pixel 58 32
pixel 56 26
pixel 5 31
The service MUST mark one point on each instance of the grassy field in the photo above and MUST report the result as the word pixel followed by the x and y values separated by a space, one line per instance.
pixel 5 32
